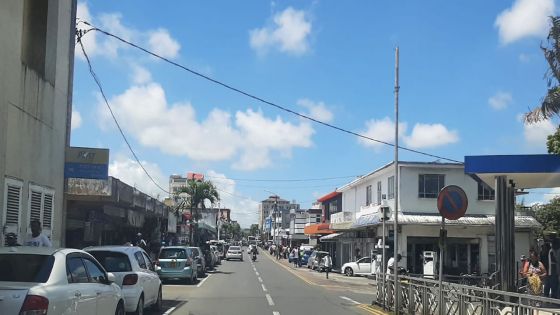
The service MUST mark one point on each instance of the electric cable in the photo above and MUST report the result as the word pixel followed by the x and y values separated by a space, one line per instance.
pixel 257 98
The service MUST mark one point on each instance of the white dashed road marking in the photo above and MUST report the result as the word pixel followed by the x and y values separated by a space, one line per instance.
pixel 260 280
pixel 349 300
pixel 264 288
pixel 275 313
pixel 269 299
pixel 169 311
pixel 258 274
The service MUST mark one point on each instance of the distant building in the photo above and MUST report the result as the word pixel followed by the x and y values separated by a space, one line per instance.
pixel 37 62
pixel 275 203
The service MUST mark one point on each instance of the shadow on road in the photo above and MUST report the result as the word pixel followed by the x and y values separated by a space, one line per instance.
pixel 166 305
pixel 221 272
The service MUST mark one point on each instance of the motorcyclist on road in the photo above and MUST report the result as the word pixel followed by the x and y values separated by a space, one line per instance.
pixel 254 253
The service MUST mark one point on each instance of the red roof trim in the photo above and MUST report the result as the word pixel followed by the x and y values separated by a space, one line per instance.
pixel 329 196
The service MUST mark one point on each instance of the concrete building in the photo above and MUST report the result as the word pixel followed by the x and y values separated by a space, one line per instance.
pixel 36 60
pixel 470 240
pixel 272 203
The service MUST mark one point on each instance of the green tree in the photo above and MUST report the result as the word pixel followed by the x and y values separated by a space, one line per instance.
pixel 549 216
pixel 550 104
pixel 199 193
pixel 254 230
pixel 553 142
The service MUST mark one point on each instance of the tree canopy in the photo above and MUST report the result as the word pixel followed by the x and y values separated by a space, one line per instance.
pixel 549 216
pixel 550 104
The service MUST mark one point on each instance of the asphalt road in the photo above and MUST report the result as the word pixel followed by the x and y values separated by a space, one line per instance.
pixel 267 287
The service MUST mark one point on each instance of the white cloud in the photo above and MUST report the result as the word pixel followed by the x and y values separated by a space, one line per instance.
pixel 535 134
pixel 500 100
pixel 422 136
pixel 129 172
pixel 140 75
pixel 163 44
pixel 76 120
pixel 523 57
pixel 248 136
pixel 430 136
pixel 289 33
pixel 244 210
pixel 317 110
pixel 383 130
pixel 526 18
pixel 159 39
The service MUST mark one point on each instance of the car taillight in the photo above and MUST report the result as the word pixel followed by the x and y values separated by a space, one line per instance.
pixel 34 305
pixel 130 279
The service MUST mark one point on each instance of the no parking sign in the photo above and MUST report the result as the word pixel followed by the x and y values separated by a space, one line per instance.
pixel 452 202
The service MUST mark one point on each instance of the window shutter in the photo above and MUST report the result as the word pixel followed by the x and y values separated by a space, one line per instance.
pixel 35 206
pixel 13 203
pixel 47 211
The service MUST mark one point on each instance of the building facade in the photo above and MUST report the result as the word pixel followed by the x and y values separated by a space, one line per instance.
pixel 36 58
pixel 274 203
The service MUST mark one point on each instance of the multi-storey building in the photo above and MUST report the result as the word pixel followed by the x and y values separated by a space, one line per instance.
pixel 274 203
pixel 37 61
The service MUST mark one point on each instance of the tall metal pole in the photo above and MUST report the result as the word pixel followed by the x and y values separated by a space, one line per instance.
pixel 441 304
pixel 383 267
pixel 396 210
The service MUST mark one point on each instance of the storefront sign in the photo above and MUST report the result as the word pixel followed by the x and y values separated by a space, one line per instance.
pixel 92 163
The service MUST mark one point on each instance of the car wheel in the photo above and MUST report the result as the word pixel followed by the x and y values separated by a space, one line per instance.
pixel 120 309
pixel 349 272
pixel 140 306
pixel 158 304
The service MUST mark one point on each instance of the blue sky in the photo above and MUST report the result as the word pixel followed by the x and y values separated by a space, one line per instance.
pixel 467 75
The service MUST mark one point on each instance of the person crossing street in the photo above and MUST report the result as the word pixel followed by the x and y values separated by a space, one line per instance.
pixel 326 261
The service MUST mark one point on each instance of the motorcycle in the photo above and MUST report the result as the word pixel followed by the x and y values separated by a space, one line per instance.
pixel 254 257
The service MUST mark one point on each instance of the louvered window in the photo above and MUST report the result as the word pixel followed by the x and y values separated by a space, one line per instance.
pixel 11 208
pixel 41 203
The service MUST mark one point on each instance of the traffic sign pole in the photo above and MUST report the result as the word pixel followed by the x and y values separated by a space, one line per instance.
pixel 441 255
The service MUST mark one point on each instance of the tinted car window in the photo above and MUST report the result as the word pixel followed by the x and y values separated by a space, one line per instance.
pixel 76 271
pixel 25 267
pixel 148 262
pixel 365 260
pixel 112 261
pixel 232 248
pixel 174 253
pixel 140 260
pixel 95 274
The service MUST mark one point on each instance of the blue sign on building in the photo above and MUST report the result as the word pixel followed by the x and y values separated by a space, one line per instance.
pixel 83 170
pixel 267 224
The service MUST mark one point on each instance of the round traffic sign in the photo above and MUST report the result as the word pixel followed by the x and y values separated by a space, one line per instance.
pixel 452 202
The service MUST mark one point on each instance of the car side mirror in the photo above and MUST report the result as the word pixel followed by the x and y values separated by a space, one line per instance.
pixel 110 278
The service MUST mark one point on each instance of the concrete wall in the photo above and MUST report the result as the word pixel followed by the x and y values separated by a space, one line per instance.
pixel 355 197
pixel 34 107
pixel 408 190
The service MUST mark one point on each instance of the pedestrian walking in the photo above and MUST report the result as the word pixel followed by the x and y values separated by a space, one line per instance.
pixel 295 257
pixel 554 268
pixel 326 261
pixel 37 238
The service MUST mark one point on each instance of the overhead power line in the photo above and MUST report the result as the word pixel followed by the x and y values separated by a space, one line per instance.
pixel 283 180
pixel 96 79
pixel 257 98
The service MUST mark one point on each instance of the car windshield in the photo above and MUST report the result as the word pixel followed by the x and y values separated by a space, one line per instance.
pixel 112 261
pixel 174 253
pixel 25 267
pixel 232 248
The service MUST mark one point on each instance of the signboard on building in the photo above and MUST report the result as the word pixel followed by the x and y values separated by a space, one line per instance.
pixel 342 217
pixel 90 163
pixel 171 222
pixel 195 176
pixel 267 224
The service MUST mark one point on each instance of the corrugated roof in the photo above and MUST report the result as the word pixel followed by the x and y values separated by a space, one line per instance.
pixel 520 221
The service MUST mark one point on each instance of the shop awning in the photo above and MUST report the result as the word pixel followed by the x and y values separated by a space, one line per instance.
pixel 367 220
pixel 330 237
pixel 482 220
pixel 317 229
pixel 341 226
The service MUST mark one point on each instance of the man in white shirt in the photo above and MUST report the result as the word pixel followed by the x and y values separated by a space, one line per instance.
pixel 37 238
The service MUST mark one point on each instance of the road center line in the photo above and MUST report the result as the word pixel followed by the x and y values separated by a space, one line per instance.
pixel 260 280
pixel 264 288
pixel 258 274
pixel 349 300
pixel 269 299
pixel 203 280
pixel 275 313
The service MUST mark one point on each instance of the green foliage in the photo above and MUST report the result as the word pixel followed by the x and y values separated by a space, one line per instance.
pixel 199 192
pixel 553 142
pixel 549 216
pixel 550 104
pixel 254 230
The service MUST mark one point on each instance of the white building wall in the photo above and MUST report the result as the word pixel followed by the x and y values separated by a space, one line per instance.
pixel 454 175
pixel 34 109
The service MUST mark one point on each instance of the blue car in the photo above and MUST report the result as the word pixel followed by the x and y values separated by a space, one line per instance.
pixel 305 257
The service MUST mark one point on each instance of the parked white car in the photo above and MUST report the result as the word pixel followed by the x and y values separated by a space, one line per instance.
pixel 360 267
pixel 134 273
pixel 42 280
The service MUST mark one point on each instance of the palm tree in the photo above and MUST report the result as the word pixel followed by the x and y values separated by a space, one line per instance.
pixel 199 192
pixel 550 104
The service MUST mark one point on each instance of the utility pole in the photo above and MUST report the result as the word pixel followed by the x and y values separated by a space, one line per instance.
pixel 396 210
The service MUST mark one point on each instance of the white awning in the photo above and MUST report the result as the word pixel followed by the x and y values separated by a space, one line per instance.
pixel 329 237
